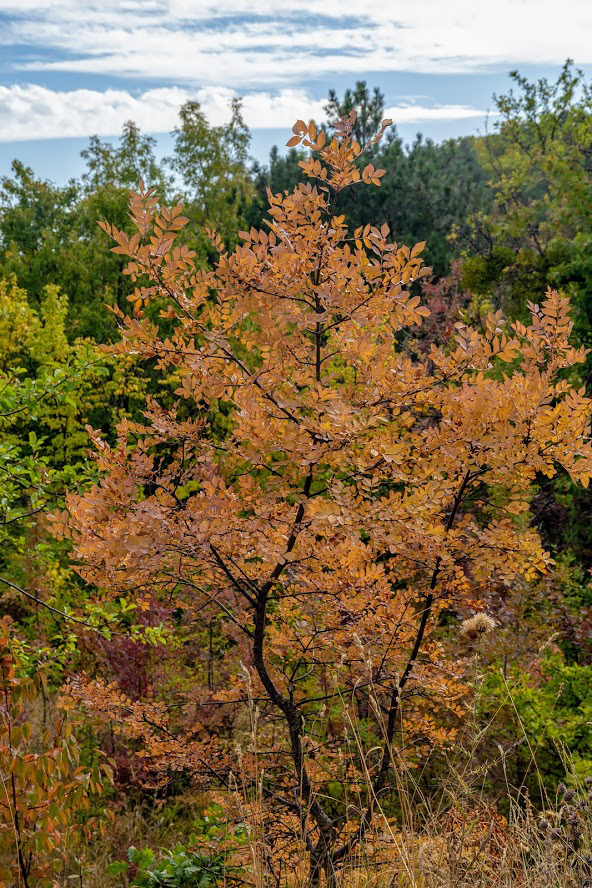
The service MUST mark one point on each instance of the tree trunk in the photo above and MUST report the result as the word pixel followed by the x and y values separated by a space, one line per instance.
pixel 321 862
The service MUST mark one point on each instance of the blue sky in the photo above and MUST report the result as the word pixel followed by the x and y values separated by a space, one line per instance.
pixel 71 68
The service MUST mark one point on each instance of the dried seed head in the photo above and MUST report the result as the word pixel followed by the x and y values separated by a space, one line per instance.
pixel 478 625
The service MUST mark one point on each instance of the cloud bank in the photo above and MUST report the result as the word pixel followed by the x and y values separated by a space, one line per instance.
pixel 269 43
pixel 36 112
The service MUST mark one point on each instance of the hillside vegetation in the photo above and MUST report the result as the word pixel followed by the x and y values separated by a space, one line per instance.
pixel 295 506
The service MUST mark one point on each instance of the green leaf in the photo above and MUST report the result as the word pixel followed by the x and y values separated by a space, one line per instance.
pixel 118 867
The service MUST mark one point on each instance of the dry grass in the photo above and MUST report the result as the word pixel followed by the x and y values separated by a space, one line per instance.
pixel 471 847
pixel 454 838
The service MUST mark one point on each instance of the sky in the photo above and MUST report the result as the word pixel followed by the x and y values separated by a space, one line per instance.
pixel 70 69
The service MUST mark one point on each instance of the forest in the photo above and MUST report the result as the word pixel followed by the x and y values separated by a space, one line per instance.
pixel 295 508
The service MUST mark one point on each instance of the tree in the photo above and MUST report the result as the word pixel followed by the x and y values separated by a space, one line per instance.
pixel 538 160
pixel 120 166
pixel 35 222
pixel 359 494
pixel 49 234
pixel 369 109
pixel 430 191
pixel 211 163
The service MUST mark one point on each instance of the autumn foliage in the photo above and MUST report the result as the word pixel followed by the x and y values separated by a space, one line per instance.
pixel 45 790
pixel 358 495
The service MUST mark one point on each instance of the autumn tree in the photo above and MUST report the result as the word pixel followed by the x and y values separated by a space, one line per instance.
pixel 360 494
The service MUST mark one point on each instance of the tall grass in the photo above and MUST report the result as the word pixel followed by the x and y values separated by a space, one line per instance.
pixel 456 835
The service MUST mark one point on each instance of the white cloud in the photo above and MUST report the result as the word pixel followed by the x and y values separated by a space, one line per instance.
pixel 35 112
pixel 270 43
